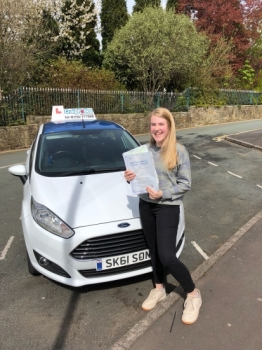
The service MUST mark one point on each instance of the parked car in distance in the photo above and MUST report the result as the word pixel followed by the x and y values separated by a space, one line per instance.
pixel 80 222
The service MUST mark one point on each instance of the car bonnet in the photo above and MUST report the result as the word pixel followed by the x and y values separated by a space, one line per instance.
pixel 87 199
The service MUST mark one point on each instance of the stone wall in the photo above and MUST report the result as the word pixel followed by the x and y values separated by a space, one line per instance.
pixel 18 137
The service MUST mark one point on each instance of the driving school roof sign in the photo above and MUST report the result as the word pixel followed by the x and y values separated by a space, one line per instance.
pixel 60 114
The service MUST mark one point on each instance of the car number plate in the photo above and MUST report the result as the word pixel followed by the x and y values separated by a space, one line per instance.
pixel 122 260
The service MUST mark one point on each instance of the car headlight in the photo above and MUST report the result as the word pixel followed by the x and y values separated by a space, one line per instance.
pixel 49 221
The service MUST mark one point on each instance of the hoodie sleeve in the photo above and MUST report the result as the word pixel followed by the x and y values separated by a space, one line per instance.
pixel 180 177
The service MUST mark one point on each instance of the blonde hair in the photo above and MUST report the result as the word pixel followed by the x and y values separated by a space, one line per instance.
pixel 168 149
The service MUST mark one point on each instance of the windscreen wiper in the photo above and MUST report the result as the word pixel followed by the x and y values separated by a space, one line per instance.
pixel 92 171
pixel 82 172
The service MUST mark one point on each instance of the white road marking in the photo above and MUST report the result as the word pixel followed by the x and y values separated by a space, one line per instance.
pixel 8 245
pixel 196 157
pixel 205 256
pixel 235 175
pixel 259 299
pixel 259 186
pixel 212 163
pixel 7 166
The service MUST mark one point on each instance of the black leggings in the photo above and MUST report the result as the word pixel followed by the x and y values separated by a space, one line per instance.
pixel 160 224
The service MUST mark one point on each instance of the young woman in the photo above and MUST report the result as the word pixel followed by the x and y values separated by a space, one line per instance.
pixel 159 212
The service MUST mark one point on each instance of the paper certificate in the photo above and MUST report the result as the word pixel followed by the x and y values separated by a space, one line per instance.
pixel 140 161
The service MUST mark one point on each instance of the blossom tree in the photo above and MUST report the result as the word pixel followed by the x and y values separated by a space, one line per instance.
pixel 18 47
pixel 29 31
pixel 77 21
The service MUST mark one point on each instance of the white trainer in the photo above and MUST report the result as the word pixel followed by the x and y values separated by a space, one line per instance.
pixel 191 308
pixel 155 296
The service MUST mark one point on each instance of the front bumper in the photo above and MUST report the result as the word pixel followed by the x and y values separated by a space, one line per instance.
pixel 40 242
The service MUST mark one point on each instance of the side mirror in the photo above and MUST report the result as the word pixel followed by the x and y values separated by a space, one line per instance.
pixel 20 171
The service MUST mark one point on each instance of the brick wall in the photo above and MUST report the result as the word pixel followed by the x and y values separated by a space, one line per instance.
pixel 18 137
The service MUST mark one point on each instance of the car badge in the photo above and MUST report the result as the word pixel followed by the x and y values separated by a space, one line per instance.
pixel 123 224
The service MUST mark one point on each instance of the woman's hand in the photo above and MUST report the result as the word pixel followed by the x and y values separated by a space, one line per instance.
pixel 129 175
pixel 153 194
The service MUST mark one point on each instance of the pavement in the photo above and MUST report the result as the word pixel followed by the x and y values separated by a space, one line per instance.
pixel 231 287
pixel 251 139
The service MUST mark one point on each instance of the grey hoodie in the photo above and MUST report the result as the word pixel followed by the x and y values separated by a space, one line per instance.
pixel 173 183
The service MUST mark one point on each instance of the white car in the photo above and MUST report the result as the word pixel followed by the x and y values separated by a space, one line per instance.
pixel 80 223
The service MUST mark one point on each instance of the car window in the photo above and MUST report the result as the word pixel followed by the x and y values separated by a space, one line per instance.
pixel 83 151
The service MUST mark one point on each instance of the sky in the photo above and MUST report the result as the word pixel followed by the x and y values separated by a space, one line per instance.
pixel 130 4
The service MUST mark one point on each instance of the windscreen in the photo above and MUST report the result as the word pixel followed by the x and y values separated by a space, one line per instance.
pixel 76 152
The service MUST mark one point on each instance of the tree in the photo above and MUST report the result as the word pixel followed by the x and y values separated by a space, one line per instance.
pixel 43 39
pixel 152 46
pixel 215 70
pixel 21 40
pixel 140 5
pixel 172 5
pixel 36 31
pixel 44 47
pixel 252 14
pixel 253 22
pixel 255 55
pixel 235 19
pixel 113 16
pixel 75 75
pixel 77 21
pixel 247 75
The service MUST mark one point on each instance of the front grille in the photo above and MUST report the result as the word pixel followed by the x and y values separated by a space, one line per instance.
pixel 93 273
pixel 111 245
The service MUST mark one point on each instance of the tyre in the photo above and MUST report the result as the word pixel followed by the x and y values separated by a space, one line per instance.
pixel 31 268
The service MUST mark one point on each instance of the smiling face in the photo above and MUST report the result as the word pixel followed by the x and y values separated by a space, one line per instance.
pixel 159 129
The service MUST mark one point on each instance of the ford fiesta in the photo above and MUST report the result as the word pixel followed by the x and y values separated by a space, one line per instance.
pixel 80 221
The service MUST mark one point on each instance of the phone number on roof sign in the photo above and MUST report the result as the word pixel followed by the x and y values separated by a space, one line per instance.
pixel 81 116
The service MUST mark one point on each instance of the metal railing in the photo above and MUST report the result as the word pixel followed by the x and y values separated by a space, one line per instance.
pixel 225 97
pixel 39 101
